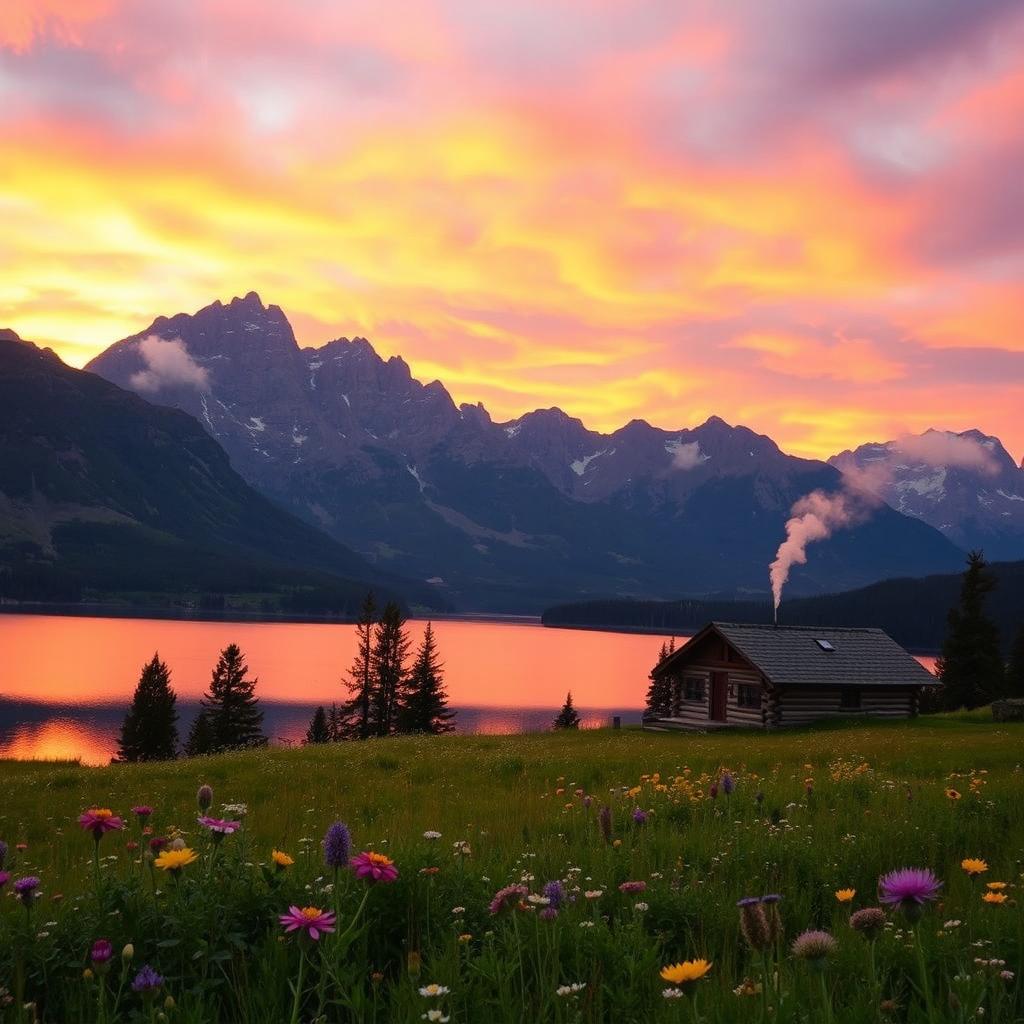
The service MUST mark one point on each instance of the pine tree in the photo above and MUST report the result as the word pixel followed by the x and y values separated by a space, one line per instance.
pixel 334 723
pixel 318 731
pixel 200 736
pixel 971 666
pixel 659 693
pixel 1015 667
pixel 150 728
pixel 567 717
pixel 354 722
pixel 424 707
pixel 388 665
pixel 236 719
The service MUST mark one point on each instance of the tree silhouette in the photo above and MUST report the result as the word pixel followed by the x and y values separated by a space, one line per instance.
pixel 388 665
pixel 659 692
pixel 353 721
pixel 567 717
pixel 424 707
pixel 200 736
pixel 150 728
pixel 235 716
pixel 971 666
pixel 318 731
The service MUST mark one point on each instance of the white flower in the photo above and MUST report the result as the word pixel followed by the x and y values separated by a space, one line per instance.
pixel 586 924
pixel 431 834
pixel 570 990
pixel 640 907
pixel 537 900
pixel 458 910
pixel 673 993
pixel 952 924
pixel 239 810
pixel 594 894
pixel 434 1015
pixel 434 991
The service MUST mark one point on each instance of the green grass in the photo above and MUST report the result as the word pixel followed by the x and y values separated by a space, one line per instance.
pixel 877 802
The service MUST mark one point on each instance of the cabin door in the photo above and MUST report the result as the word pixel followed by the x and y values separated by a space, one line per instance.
pixel 719 690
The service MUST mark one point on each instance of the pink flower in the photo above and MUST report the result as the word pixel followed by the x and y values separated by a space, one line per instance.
pixel 374 867
pixel 312 921
pixel 99 821
pixel 507 898
pixel 219 826
pixel 631 888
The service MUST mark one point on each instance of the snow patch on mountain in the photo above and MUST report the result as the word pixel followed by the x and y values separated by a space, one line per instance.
pixel 579 466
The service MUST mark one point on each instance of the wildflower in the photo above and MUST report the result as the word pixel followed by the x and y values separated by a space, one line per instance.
pixel 632 888
pixel 845 895
pixel 99 821
pixel 506 898
pixel 374 867
pixel 995 897
pixel 641 907
pixel 604 821
pixel 672 993
pixel 4 878
pixel 995 886
pixel 431 834
pixel 204 797
pixel 434 991
pixel 728 783
pixel 593 894
pixel 128 953
pixel 142 812
pixel 311 921
pixel 869 922
pixel 952 794
pixel 458 910
pixel 639 815
pixel 713 791
pixel 175 860
pixel 555 893
pixel 1006 975
pixel 430 871
pixel 685 974
pixel 616 843
pixel 815 947
pixel 156 844
pixel 219 827
pixel 235 810
pixel 25 889
pixel 909 889
pixel 570 990
pixel 754 923
pixel 465 937
pixel 337 845
pixel 147 982
pixel 461 848
pixel 101 953
pixel 435 1015
pixel 281 860
pixel 974 866
pixel 548 914
pixel 748 987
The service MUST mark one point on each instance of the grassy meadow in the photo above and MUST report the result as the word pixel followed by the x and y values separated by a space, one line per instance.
pixel 812 812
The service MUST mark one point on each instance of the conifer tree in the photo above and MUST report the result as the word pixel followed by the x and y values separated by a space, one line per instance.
pixel 200 736
pixel 318 731
pixel 388 665
pixel 424 707
pixel 354 720
pixel 150 728
pixel 235 716
pixel 334 723
pixel 567 718
pixel 1015 667
pixel 659 693
pixel 971 666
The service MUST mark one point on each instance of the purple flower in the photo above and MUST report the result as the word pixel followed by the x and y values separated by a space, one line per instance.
pixel 909 889
pixel 25 889
pixel 728 783
pixel 772 897
pixel 101 951
pixel 147 982
pixel 506 898
pixel 639 816
pixel 555 892
pixel 815 947
pixel 142 812
pixel 587 801
pixel 548 914
pixel 337 845
pixel 869 922
pixel 632 888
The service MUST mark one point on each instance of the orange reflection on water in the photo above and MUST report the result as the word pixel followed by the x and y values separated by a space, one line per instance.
pixel 57 739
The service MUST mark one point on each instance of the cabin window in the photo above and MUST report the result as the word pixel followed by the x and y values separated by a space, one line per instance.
pixel 849 698
pixel 693 688
pixel 748 696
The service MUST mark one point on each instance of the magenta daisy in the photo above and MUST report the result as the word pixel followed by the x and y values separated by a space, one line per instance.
pixel 219 827
pixel 909 889
pixel 374 867
pixel 99 821
pixel 310 921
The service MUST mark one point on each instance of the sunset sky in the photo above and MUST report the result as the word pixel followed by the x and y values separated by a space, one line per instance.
pixel 807 217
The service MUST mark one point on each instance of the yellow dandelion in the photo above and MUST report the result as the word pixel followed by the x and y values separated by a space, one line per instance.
pixel 175 860
pixel 995 897
pixel 974 866
pixel 845 895
pixel 686 972
pixel 282 860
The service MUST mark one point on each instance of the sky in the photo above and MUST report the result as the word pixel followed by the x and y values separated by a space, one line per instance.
pixel 803 217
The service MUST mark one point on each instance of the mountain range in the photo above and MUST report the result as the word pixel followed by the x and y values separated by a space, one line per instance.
pixel 510 516
pixel 103 493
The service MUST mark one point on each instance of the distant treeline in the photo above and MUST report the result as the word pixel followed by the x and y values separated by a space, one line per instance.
pixel 912 611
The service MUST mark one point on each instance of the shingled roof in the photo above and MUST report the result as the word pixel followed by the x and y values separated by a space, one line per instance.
pixel 792 655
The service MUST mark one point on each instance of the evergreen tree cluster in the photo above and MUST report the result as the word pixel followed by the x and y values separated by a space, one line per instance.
pixel 388 696
pixel 568 717
pixel 659 693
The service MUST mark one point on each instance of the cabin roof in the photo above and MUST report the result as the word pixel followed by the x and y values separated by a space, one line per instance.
pixel 792 655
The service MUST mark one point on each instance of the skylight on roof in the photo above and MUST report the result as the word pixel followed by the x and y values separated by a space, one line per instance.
pixel 825 645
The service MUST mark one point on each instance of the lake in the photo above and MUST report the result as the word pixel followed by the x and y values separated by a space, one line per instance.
pixel 65 682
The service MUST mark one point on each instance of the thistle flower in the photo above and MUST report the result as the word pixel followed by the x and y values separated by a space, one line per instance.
pixel 204 797
pixel 754 923
pixel 604 820
pixel 143 813
pixel 685 974
pixel 147 982
pixel 869 922
pixel 728 783
pixel 632 888
pixel 99 821
pixel 101 951
pixel 311 922
pixel 374 867
pixel 974 866
pixel 548 914
pixel 909 889
pixel 156 844
pixel 25 889
pixel 337 845
pixel 815 947
pixel 555 894
pixel 175 860
pixel 506 898
pixel 639 816
pixel 772 901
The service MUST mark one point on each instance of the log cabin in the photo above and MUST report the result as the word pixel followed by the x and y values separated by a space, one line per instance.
pixel 764 676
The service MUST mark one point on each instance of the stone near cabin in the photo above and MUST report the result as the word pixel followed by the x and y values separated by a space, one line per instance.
pixel 1009 710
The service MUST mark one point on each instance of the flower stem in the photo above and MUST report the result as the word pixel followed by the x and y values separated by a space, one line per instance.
pixel 297 1002
pixel 922 968
pixel 825 998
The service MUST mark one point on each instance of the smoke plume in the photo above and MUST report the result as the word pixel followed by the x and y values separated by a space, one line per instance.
pixel 168 364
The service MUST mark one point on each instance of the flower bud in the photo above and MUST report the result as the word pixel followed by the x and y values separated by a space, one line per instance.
pixel 128 952
pixel 204 797
pixel 169 1003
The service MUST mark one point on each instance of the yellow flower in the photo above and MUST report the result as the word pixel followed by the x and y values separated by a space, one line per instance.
pixel 465 937
pixel 973 866
pixel 995 886
pixel 845 895
pixel 282 860
pixel 686 972
pixel 175 860
pixel 995 897
pixel 952 794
